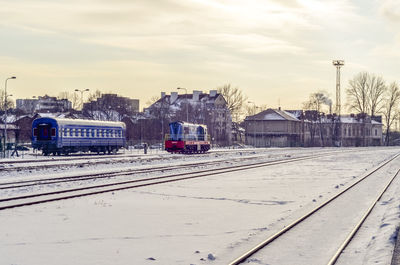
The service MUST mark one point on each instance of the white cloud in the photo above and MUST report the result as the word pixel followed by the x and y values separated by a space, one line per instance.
pixel 198 42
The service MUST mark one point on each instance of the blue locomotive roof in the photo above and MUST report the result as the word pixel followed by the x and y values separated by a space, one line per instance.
pixel 79 122
pixel 187 123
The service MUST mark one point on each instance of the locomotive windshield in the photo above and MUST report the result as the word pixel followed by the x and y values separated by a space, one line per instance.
pixel 175 131
pixel 200 133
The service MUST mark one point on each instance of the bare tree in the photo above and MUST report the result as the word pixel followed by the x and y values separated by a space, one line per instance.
pixel 390 109
pixel 357 93
pixel 110 107
pixel 314 113
pixel 234 98
pixel 252 109
pixel 72 97
pixel 376 89
pixel 5 102
pixel 94 96
pixel 152 100
pixel 90 109
pixel 365 93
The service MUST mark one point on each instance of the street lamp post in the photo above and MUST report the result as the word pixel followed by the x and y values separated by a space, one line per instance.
pixel 82 91
pixel 254 122
pixel 187 103
pixel 5 112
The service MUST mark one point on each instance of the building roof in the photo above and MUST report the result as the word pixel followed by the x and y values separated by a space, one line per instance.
pixel 9 127
pixel 352 119
pixel 273 115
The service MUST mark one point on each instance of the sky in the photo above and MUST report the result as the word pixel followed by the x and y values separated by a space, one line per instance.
pixel 277 52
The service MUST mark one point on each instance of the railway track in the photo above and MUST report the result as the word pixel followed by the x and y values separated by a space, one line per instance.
pixel 115 173
pixel 297 236
pixel 80 161
pixel 126 172
pixel 74 157
pixel 37 198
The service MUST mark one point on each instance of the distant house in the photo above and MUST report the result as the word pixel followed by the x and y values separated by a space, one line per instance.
pixel 43 104
pixel 273 128
pixel 12 132
pixel 360 131
pixel 279 128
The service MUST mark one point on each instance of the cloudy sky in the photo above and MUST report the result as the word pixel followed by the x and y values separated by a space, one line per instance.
pixel 274 50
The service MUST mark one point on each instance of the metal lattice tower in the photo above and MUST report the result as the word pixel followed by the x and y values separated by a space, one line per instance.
pixel 338 64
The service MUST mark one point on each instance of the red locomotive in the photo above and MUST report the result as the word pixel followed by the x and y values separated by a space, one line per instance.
pixel 187 138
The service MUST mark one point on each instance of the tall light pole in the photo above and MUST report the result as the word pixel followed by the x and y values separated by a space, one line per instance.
pixel 254 121
pixel 5 112
pixel 187 103
pixel 82 90
pixel 338 64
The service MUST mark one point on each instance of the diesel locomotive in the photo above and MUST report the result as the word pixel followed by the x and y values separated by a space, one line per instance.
pixel 187 138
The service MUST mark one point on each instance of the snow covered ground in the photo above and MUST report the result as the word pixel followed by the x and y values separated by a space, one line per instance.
pixel 208 220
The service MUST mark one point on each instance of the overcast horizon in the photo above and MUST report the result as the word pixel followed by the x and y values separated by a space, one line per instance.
pixel 275 51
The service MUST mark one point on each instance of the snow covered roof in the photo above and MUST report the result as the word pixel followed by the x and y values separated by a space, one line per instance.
pixel 9 127
pixel 352 119
pixel 273 115
pixel 89 122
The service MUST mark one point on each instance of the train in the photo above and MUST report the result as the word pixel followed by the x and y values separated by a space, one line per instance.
pixel 187 138
pixel 64 136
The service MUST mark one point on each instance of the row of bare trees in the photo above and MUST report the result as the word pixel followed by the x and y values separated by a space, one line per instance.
pixel 368 93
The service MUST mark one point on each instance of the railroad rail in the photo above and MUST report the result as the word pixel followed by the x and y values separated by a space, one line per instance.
pixel 300 220
pixel 9 165
pixel 73 157
pixel 25 200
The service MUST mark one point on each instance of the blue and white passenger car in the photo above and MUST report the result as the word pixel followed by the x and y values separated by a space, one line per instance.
pixel 64 136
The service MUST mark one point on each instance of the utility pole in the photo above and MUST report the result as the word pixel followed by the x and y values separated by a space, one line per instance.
pixel 187 103
pixel 338 64
pixel 5 112
pixel 254 122
pixel 82 90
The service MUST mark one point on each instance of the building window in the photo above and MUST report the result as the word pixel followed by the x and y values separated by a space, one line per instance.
pixel 376 132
